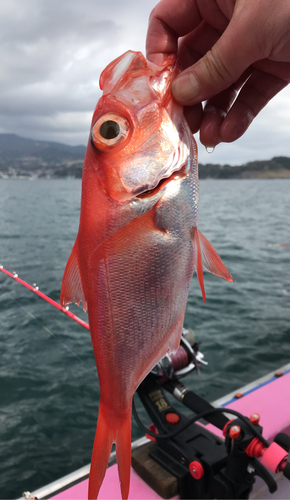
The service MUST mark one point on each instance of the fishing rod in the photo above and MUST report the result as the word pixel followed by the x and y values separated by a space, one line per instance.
pixel 35 289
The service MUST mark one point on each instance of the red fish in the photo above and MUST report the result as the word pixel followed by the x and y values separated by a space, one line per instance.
pixel 138 242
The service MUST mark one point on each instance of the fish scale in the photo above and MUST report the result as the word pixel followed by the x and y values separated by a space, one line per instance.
pixel 138 242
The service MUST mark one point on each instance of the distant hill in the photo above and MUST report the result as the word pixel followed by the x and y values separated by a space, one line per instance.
pixel 277 168
pixel 22 158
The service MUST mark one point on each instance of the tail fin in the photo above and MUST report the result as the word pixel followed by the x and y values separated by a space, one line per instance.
pixel 107 432
pixel 100 456
pixel 123 453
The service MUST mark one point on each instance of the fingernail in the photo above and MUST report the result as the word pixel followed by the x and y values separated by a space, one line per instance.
pixel 214 110
pixel 186 89
pixel 157 59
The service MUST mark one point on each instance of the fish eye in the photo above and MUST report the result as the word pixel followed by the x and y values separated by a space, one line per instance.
pixel 109 130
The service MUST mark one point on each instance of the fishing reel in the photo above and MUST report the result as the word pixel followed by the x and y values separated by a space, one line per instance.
pixel 186 359
pixel 204 465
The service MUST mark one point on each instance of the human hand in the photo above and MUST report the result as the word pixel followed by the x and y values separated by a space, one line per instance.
pixel 235 54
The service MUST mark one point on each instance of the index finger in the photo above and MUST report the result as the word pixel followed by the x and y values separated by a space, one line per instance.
pixel 168 21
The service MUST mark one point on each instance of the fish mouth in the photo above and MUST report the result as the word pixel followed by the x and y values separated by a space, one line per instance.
pixel 176 175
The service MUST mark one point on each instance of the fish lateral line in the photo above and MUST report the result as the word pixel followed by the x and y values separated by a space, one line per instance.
pixel 35 290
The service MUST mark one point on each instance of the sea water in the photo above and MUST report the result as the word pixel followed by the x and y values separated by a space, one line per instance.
pixel 48 381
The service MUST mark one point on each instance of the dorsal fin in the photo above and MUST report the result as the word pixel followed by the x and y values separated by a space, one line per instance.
pixel 131 65
pixel 114 72
pixel 207 257
pixel 71 288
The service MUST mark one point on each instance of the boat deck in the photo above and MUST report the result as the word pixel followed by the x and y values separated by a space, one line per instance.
pixel 267 396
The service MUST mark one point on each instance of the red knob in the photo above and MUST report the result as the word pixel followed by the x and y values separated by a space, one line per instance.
pixel 235 432
pixel 196 469
pixel 255 418
pixel 172 418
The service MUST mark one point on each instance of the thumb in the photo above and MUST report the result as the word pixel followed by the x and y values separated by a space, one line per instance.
pixel 219 68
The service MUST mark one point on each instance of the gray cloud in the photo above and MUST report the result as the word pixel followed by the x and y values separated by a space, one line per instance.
pixel 52 53
pixel 51 56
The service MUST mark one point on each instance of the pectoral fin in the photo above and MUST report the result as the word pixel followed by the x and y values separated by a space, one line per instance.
pixel 121 241
pixel 207 257
pixel 71 288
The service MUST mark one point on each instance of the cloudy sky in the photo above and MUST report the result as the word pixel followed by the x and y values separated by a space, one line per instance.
pixel 52 53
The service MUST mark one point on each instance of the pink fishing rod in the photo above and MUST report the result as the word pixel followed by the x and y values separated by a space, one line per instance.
pixel 35 289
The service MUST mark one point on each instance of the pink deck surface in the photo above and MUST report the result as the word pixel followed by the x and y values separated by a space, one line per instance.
pixel 110 488
pixel 271 401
